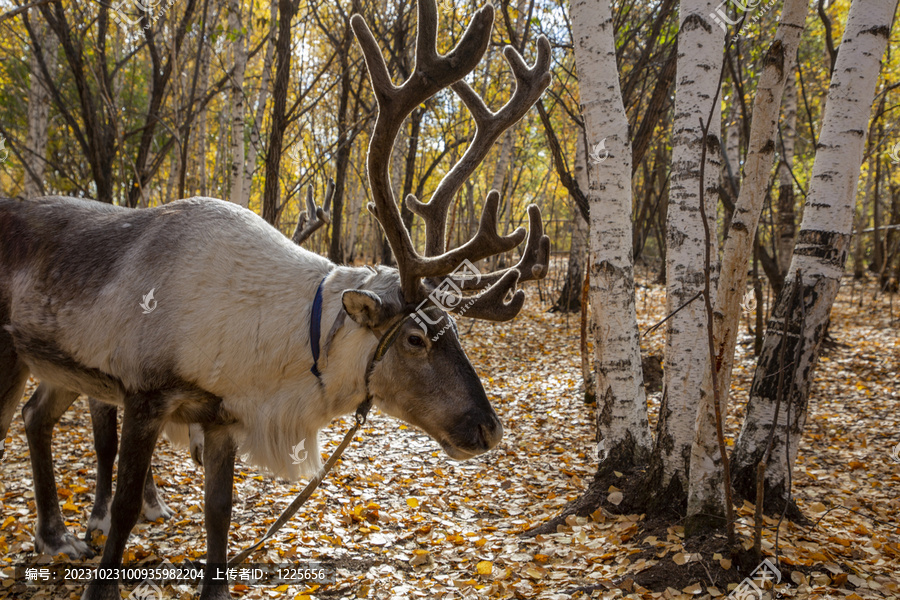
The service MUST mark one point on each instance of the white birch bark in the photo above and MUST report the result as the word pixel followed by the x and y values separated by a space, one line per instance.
pixel 580 251
pixel 621 403
pixel 503 158
pixel 570 295
pixel 861 221
pixel 501 169
pixel 355 202
pixel 174 172
pixel 700 48
pixel 819 254
pixel 220 168
pixel 261 99
pixel 239 49
pixel 785 239
pixel 732 144
pixel 706 489
pixel 39 111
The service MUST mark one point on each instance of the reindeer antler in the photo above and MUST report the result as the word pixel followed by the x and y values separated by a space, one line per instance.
pixel 313 218
pixel 434 72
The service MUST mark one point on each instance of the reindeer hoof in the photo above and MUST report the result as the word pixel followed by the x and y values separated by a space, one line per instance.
pixel 62 543
pixel 97 525
pixel 157 510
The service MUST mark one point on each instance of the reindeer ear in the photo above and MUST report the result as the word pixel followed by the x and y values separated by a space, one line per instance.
pixel 364 307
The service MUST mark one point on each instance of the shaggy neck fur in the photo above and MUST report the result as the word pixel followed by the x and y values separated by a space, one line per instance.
pixel 267 437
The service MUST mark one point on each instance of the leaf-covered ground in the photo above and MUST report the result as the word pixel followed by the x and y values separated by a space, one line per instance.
pixel 398 519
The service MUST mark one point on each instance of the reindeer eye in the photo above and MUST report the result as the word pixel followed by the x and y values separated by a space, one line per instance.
pixel 416 340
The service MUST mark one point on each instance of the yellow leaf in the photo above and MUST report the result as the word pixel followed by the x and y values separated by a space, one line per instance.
pixel 412 502
pixel 485 567
pixel 693 589
pixel 7 521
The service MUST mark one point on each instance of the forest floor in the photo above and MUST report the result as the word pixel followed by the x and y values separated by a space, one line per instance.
pixel 398 519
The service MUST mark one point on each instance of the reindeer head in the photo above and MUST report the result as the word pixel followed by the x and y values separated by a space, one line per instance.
pixel 424 377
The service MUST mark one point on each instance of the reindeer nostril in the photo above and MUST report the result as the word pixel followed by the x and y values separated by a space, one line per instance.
pixel 481 436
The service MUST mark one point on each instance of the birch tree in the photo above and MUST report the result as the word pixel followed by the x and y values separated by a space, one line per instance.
pixel 39 111
pixel 570 296
pixel 621 404
pixel 786 141
pixel 796 329
pixel 239 51
pixel 261 99
pixel 506 148
pixel 705 493
pixel 202 117
pixel 700 47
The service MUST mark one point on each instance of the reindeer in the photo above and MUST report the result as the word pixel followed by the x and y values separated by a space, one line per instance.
pixel 51 535
pixel 229 345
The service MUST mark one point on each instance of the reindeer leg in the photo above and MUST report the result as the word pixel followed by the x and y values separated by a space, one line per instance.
pixel 218 460
pixel 106 440
pixel 41 413
pixel 154 507
pixel 141 427
pixel 13 375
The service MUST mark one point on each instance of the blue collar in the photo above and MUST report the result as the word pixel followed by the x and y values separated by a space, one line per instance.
pixel 315 328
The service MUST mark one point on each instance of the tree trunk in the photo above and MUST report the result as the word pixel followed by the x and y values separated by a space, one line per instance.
pixel 239 49
pixel 861 221
pixel 623 429
pixel 570 297
pixel 336 249
pixel 817 263
pixel 706 491
pixel 355 195
pixel 504 157
pixel 261 98
pixel 286 10
pixel 877 262
pixel 784 236
pixel 202 125
pixel 39 112
pixel 700 47
pixel 731 162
